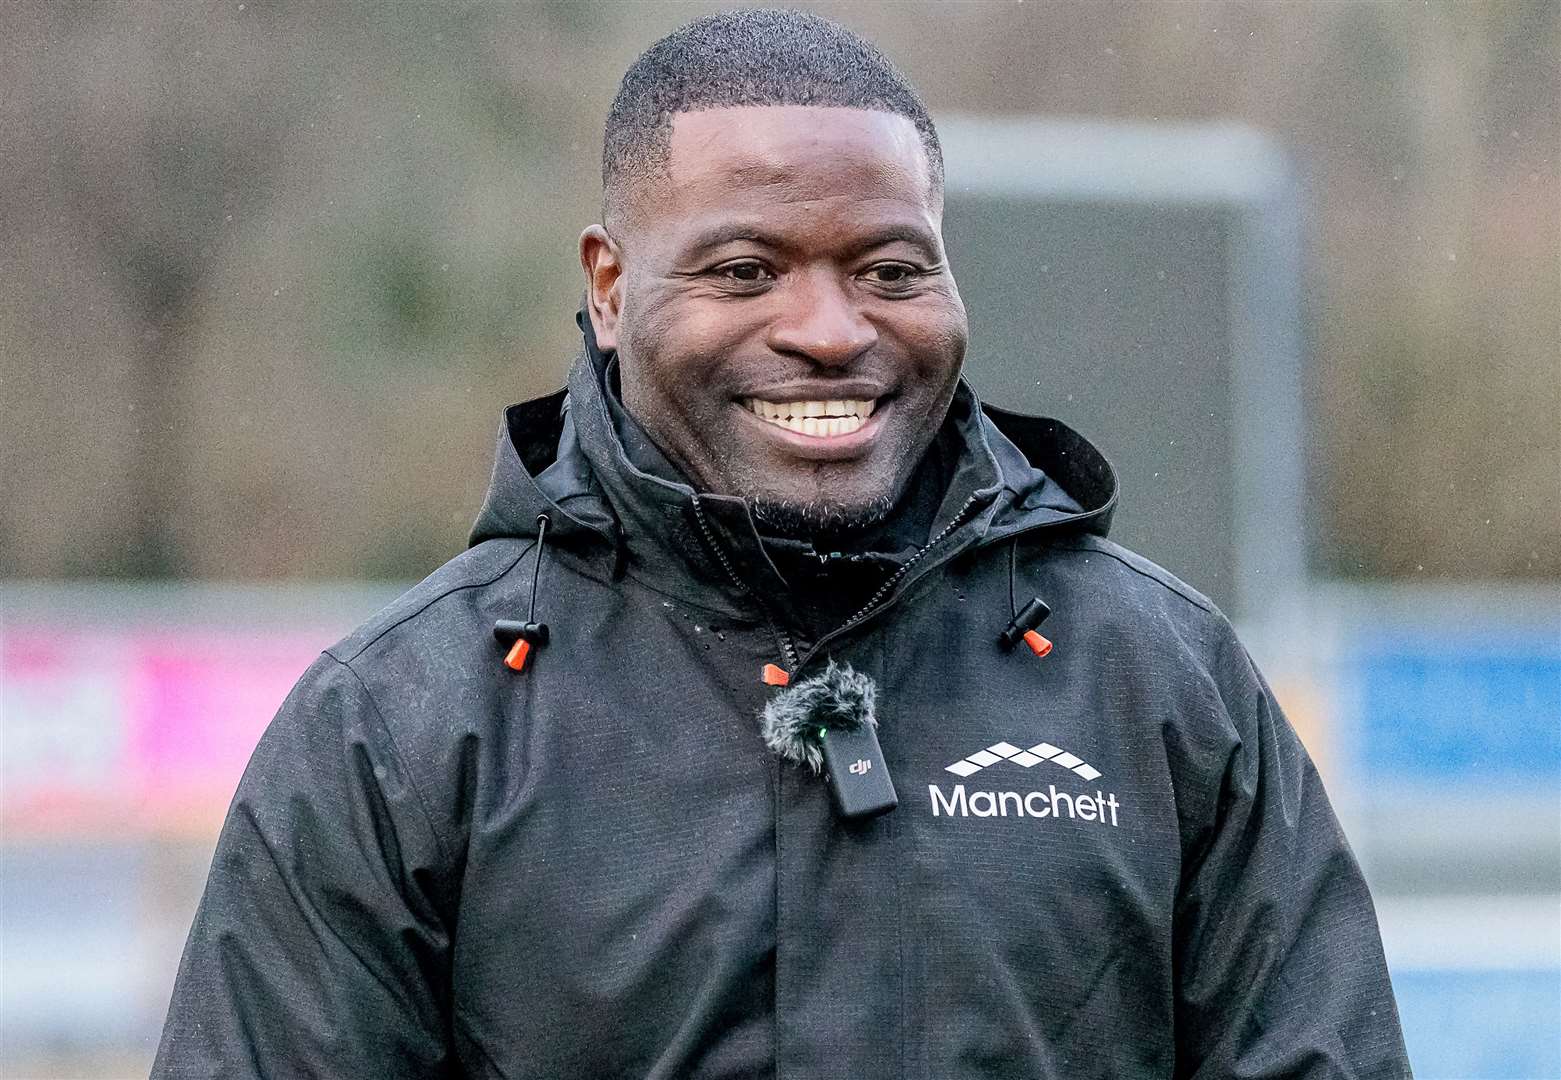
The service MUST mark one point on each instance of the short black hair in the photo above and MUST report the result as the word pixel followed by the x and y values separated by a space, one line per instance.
pixel 751 56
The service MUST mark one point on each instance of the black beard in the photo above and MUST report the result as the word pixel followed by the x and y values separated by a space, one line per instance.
pixel 812 521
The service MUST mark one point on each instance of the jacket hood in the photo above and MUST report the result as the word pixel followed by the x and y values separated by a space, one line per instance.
pixel 560 456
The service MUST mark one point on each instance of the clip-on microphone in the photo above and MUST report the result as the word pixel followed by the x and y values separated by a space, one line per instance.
pixel 827 723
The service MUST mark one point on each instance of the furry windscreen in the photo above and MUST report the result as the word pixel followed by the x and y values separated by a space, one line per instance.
pixel 841 698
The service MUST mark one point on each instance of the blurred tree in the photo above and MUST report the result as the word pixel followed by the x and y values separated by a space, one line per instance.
pixel 170 129
pixel 272 268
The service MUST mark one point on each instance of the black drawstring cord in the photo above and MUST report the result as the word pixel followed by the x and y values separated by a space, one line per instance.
pixel 536 571
pixel 1013 557
pixel 1024 626
pixel 521 637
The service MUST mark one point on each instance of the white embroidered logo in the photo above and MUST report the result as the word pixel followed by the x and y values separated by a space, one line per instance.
pixel 1027 758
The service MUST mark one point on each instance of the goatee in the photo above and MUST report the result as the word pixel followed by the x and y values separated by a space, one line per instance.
pixel 805 521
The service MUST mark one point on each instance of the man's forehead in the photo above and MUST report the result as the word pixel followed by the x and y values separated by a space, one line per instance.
pixel 752 160
pixel 774 144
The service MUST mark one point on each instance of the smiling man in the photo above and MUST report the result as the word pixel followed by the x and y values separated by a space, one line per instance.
pixel 786 325
pixel 732 746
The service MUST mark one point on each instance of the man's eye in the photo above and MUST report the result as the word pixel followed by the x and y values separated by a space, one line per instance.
pixel 892 274
pixel 747 272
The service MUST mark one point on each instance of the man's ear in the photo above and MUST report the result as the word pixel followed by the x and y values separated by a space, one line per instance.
pixel 602 260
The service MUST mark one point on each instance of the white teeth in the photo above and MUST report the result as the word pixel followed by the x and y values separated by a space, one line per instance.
pixel 821 419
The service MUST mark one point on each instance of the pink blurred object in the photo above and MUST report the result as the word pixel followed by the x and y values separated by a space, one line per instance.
pixel 142 730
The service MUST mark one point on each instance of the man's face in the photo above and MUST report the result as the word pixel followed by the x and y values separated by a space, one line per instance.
pixel 786 326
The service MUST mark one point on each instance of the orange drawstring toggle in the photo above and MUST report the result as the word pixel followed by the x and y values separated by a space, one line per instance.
pixel 1023 628
pixel 1038 645
pixel 774 676
pixel 519 639
pixel 518 652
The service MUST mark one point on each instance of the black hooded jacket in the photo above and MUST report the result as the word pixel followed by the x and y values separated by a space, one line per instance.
pixel 1113 861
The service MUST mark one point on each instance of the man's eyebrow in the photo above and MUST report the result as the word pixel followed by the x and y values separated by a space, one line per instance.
pixel 733 232
pixel 728 233
pixel 918 238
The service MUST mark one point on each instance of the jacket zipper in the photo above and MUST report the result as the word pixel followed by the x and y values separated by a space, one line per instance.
pixel 788 650
pixel 873 603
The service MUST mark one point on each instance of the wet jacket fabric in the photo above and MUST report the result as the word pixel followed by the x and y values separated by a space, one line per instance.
pixel 1113 861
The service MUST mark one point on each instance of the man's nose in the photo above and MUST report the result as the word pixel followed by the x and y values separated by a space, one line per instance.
pixel 821 321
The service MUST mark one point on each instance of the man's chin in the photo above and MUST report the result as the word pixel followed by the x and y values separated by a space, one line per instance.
pixel 809 520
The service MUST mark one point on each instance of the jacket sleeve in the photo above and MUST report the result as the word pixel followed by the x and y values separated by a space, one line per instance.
pixel 1279 963
pixel 321 945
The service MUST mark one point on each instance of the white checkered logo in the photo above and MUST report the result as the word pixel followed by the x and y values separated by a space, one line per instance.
pixel 1027 758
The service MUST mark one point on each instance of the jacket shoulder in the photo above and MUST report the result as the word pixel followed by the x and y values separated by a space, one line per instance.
pixel 1134 572
pixel 468 576
pixel 427 669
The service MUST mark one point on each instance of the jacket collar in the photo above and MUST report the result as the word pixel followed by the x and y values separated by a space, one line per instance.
pixel 562 456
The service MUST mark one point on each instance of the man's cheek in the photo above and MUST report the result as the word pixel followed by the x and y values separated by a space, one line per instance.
pixel 709 334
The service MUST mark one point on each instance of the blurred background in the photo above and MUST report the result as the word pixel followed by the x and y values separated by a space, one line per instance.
pixel 272 270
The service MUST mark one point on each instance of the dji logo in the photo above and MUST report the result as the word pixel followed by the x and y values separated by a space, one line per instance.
pixel 859 767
